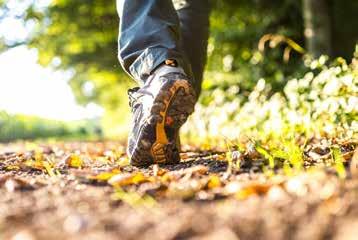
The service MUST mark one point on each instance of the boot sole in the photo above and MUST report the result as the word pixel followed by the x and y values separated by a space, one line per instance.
pixel 169 112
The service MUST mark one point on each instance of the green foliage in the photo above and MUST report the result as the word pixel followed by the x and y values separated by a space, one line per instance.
pixel 338 162
pixel 14 127
pixel 285 153
pixel 266 155
pixel 236 29
pixel 323 102
pixel 81 36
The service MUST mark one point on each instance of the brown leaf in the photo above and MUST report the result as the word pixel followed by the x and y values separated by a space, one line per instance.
pixel 157 171
pixel 254 188
pixel 347 156
pixel 187 173
pixel 185 190
pixel 243 191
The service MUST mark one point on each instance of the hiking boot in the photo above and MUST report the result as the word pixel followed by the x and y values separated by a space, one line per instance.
pixel 159 109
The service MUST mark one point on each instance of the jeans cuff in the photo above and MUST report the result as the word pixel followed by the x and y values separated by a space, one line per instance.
pixel 151 58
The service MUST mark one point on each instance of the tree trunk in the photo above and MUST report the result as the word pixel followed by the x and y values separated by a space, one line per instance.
pixel 317 23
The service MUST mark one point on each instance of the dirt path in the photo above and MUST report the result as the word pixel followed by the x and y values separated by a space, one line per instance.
pixel 87 191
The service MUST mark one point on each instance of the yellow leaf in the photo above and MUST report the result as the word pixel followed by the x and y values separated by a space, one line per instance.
pixel 123 161
pixel 120 180
pixel 104 176
pixel 12 168
pixel 245 193
pixel 74 161
pixel 134 199
pixel 39 157
pixel 49 169
pixel 214 182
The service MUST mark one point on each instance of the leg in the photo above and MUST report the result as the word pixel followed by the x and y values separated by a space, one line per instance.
pixel 149 34
pixel 194 21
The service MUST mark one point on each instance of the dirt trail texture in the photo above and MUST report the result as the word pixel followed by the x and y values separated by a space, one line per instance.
pixel 87 190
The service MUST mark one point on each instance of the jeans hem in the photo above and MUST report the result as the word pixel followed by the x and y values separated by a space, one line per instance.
pixel 151 58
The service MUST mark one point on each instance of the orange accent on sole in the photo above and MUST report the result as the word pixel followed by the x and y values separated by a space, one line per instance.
pixel 169 121
pixel 161 137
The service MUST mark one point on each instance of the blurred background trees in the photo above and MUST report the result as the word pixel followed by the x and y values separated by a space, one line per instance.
pixel 18 126
pixel 249 40
pixel 317 22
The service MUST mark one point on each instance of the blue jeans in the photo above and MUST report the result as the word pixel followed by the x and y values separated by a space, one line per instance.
pixel 152 31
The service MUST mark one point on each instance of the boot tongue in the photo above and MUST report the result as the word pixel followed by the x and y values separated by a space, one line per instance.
pixel 155 82
pixel 165 69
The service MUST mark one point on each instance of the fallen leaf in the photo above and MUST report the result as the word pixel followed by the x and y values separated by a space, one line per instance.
pixel 214 182
pixel 125 179
pixel 12 168
pixel 123 161
pixel 134 199
pixel 254 188
pixel 185 190
pixel 347 156
pixel 74 161
pixel 33 164
pixel 187 173
pixel 157 171
pixel 104 176
pixel 49 169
